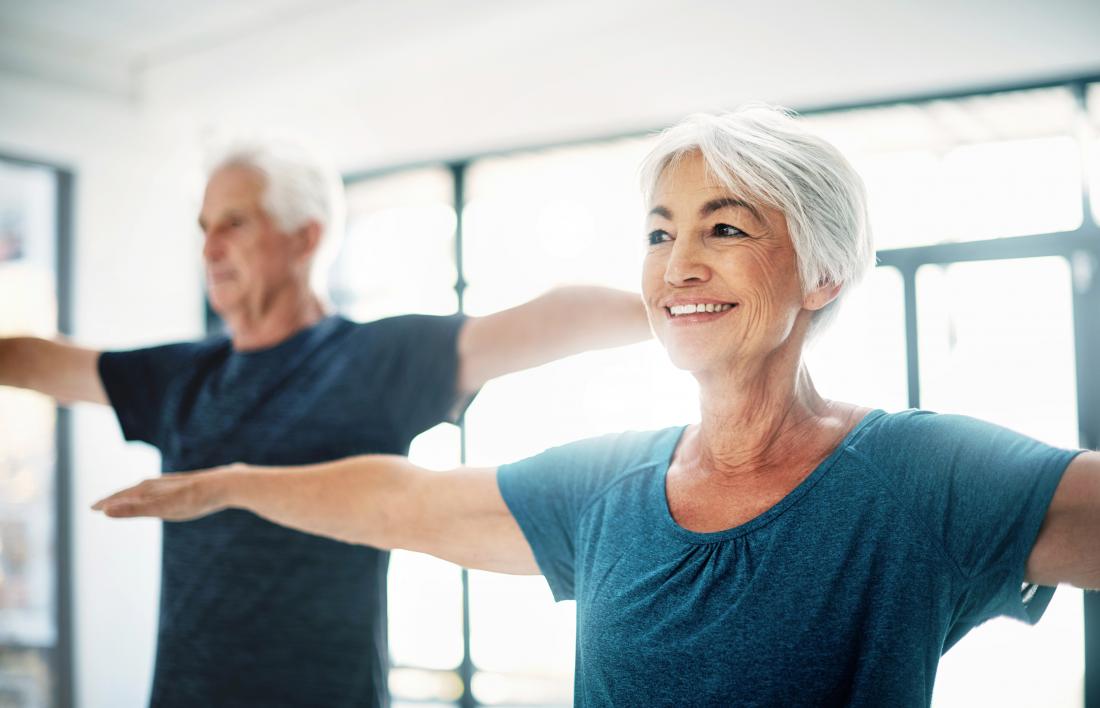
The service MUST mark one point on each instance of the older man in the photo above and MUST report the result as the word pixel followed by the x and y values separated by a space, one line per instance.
pixel 252 613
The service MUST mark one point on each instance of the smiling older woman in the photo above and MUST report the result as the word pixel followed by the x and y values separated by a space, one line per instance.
pixel 788 549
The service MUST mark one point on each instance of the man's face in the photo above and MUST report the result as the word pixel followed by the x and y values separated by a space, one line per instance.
pixel 248 260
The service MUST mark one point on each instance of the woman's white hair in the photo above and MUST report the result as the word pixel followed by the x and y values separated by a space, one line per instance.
pixel 298 188
pixel 765 156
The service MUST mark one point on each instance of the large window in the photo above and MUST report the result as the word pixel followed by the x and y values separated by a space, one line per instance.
pixel 982 304
pixel 34 647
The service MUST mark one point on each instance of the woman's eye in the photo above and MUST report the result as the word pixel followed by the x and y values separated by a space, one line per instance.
pixel 725 230
pixel 657 236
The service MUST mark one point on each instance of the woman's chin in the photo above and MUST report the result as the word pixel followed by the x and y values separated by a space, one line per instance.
pixel 692 359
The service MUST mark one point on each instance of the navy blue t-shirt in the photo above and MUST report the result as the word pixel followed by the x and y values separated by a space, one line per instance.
pixel 913 531
pixel 254 614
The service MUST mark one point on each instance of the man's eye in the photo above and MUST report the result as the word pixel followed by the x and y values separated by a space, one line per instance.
pixel 657 236
pixel 725 230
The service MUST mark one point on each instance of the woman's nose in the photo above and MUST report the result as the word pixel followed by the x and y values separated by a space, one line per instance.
pixel 686 264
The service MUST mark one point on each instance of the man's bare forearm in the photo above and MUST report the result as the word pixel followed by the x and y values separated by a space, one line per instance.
pixel 62 371
pixel 564 321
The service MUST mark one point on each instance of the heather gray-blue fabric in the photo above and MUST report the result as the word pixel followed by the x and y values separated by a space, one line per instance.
pixel 913 531
pixel 254 614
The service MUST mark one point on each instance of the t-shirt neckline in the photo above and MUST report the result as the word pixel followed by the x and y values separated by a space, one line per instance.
pixel 696 537
pixel 289 344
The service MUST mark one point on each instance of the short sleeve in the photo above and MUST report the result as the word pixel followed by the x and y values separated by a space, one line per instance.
pixel 137 383
pixel 548 493
pixel 420 354
pixel 983 492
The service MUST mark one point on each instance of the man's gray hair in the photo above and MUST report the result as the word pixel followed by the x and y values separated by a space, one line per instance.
pixel 298 188
pixel 766 156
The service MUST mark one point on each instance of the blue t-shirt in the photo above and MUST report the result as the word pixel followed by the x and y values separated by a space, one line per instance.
pixel 846 592
pixel 252 613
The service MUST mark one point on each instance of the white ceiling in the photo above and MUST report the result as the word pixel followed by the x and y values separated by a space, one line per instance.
pixel 110 45
pixel 391 80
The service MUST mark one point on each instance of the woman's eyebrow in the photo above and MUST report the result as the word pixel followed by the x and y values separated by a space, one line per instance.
pixel 710 207
pixel 728 202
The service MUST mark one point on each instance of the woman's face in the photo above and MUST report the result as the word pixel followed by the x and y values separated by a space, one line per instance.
pixel 720 280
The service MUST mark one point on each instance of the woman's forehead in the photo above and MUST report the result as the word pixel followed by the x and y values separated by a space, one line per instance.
pixel 683 186
pixel 688 175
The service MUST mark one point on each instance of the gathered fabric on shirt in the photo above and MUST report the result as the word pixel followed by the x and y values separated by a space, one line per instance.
pixel 846 592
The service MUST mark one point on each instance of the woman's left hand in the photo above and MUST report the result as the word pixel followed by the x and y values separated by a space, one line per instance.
pixel 176 497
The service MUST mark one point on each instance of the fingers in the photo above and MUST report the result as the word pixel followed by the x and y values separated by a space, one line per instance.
pixel 108 501
pixel 133 501
pixel 177 497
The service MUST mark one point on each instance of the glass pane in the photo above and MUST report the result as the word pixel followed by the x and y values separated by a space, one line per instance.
pixel 1006 164
pixel 496 689
pixel 518 630
pixel 425 593
pixel 988 352
pixel 996 342
pixel 398 255
pixel 1011 188
pixel 535 218
pixel 861 357
pixel 25 677
pixel 535 221
pixel 28 566
pixel 571 215
pixel 419 685
pixel 1093 151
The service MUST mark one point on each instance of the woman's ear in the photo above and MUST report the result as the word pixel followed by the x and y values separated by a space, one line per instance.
pixel 821 296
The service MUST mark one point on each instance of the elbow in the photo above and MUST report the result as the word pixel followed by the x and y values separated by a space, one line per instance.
pixel 388 514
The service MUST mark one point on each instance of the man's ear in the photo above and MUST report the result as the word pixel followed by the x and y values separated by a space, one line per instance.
pixel 821 296
pixel 308 239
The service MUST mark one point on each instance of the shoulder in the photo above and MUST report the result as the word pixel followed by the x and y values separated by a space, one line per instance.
pixel 605 458
pixel 167 355
pixel 410 328
pixel 923 444
pixel 552 488
pixel 916 429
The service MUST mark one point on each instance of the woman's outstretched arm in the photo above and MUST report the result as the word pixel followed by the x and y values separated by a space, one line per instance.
pixel 377 500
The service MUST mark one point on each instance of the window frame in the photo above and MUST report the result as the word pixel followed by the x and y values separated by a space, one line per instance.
pixel 60 657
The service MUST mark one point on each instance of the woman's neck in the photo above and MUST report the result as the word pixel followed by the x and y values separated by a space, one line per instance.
pixel 762 416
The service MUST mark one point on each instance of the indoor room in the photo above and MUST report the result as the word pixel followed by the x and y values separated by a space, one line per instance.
pixel 489 153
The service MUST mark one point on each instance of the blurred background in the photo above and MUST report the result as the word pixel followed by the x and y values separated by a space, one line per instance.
pixel 495 144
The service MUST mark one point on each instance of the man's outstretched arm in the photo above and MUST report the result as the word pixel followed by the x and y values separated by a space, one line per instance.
pixel 564 321
pixel 377 500
pixel 62 371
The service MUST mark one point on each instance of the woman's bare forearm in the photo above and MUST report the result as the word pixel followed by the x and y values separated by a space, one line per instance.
pixel 356 500
pixel 377 500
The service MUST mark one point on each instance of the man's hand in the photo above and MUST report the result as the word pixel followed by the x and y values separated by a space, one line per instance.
pixel 176 497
